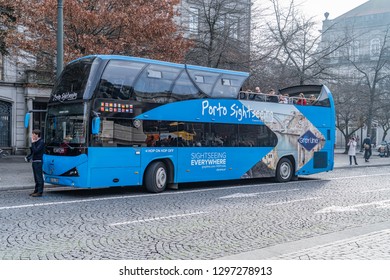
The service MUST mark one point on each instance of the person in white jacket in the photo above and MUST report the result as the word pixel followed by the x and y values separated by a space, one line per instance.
pixel 352 150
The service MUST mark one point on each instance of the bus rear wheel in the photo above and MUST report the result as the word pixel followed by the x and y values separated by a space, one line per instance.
pixel 284 171
pixel 156 177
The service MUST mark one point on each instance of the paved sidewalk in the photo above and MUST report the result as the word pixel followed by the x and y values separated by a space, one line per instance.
pixel 368 242
pixel 15 173
pixel 342 160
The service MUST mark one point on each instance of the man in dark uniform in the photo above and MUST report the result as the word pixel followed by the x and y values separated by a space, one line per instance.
pixel 36 157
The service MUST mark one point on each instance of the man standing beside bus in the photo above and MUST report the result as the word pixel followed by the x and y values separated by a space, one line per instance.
pixel 36 156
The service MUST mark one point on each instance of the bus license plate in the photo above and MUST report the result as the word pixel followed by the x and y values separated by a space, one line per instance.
pixel 54 180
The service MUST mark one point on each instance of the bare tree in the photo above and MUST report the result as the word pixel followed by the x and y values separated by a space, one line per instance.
pixel 384 120
pixel 291 42
pixel 373 71
pixel 219 29
pixel 383 112
pixel 350 107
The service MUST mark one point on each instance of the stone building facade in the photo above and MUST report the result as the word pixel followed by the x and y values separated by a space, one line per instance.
pixel 365 32
pixel 21 90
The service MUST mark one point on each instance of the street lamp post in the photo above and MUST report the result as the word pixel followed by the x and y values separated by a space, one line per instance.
pixel 60 37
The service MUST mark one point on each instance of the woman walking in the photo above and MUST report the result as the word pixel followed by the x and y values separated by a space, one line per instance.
pixel 352 150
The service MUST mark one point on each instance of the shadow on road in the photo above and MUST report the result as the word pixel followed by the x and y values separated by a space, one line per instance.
pixel 140 190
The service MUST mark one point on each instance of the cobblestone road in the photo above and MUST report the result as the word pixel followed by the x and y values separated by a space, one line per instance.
pixel 198 222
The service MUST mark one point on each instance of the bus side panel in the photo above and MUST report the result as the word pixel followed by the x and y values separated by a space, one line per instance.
pixel 204 164
pixel 321 162
pixel 121 166
pixel 323 119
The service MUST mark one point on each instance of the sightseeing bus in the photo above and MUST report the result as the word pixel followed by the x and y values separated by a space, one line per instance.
pixel 116 121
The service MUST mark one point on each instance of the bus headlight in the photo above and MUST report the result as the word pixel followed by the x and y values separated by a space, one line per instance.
pixel 71 173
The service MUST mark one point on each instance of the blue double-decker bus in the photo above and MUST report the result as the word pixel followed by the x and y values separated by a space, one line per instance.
pixel 126 121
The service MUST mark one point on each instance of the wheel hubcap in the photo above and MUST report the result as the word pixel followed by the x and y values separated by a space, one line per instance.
pixel 285 170
pixel 161 178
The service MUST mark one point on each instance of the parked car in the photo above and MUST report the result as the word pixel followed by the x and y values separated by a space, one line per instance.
pixel 384 149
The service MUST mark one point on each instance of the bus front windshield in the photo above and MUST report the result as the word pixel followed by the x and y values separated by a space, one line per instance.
pixel 66 129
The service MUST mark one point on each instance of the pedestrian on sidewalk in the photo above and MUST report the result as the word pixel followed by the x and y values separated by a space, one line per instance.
pixel 367 148
pixel 352 150
pixel 36 157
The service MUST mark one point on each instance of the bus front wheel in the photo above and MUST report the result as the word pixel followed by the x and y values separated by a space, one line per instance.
pixel 156 177
pixel 284 171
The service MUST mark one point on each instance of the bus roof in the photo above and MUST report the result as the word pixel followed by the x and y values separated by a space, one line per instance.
pixel 165 63
pixel 189 81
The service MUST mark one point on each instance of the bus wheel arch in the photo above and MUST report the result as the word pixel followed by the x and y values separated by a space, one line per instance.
pixel 158 175
pixel 285 170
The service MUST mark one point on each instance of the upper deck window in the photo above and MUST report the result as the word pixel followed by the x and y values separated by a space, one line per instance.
pixel 118 79
pixel 161 82
pixel 155 83
pixel 73 81
pixel 184 88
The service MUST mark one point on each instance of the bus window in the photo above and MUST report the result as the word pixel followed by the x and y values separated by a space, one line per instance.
pixel 155 83
pixel 184 88
pixel 227 87
pixel 257 136
pixel 118 79
pixel 73 81
pixel 323 99
pixel 185 134
pixel 66 130
pixel 116 132
pixel 217 85
pixel 204 80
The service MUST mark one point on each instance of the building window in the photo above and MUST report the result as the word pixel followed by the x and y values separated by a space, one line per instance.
pixel 335 53
pixel 5 124
pixel 193 23
pixel 219 26
pixel 234 27
pixel 375 47
pixel 354 50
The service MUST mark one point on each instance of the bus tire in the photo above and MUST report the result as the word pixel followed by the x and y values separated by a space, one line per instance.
pixel 284 171
pixel 156 177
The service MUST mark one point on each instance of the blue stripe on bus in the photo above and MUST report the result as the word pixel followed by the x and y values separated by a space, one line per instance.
pixel 206 110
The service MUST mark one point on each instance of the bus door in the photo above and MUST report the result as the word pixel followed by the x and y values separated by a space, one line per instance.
pixel 115 159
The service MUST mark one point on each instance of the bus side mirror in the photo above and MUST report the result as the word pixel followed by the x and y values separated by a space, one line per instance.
pixel 95 125
pixel 27 120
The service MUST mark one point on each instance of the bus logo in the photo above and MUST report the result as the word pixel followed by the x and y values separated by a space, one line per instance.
pixel 64 96
pixel 309 140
